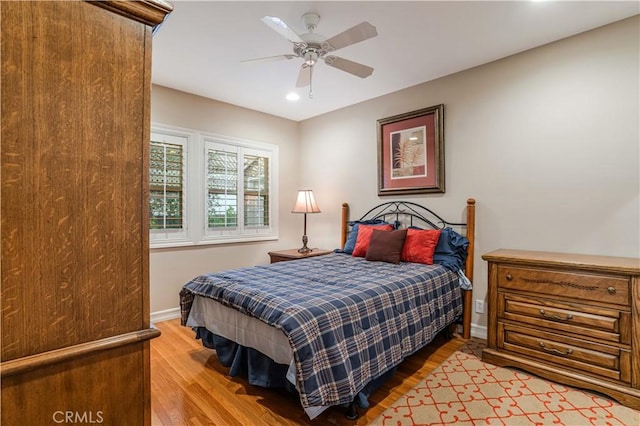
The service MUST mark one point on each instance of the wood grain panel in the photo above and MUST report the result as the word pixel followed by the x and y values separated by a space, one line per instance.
pixel 69 353
pixel 573 318
pixel 579 285
pixel 74 216
pixel 566 261
pixel 73 168
pixel 84 386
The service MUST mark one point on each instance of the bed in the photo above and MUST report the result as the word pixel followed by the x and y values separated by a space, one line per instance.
pixel 333 327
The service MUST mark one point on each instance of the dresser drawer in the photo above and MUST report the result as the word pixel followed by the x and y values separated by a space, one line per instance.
pixel 583 286
pixel 575 354
pixel 592 322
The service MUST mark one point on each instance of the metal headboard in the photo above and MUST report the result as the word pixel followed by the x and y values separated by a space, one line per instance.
pixel 407 210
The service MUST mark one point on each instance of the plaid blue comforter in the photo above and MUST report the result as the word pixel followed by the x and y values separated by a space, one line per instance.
pixel 348 320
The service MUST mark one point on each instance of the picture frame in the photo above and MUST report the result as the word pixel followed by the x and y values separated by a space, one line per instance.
pixel 411 152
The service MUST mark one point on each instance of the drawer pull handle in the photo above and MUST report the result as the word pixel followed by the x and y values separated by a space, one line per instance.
pixel 509 277
pixel 555 351
pixel 555 317
pixel 611 290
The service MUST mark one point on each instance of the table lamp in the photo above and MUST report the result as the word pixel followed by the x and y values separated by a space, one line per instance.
pixel 305 203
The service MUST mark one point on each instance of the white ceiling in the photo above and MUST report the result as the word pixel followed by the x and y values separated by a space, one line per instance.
pixel 200 46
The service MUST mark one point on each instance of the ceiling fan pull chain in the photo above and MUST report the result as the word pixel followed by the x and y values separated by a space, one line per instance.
pixel 311 82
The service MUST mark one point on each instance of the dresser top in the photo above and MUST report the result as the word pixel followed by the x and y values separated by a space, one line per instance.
pixel 627 265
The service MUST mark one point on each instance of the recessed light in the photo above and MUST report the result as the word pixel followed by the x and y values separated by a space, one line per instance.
pixel 293 96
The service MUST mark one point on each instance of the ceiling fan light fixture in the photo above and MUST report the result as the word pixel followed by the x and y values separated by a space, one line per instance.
pixel 310 57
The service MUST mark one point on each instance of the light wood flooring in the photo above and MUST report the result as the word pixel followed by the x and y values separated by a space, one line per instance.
pixel 189 386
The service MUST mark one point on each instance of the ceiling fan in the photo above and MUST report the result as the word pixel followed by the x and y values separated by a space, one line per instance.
pixel 312 47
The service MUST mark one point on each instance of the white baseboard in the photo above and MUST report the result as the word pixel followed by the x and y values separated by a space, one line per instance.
pixel 479 331
pixel 167 314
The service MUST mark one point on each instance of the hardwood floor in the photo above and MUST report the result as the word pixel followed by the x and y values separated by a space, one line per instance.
pixel 190 387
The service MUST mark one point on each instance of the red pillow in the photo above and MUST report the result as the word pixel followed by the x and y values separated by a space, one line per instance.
pixel 419 245
pixel 364 237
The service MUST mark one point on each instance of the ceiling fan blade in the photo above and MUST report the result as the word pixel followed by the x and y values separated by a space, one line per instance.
pixel 351 67
pixel 271 58
pixel 279 26
pixel 362 31
pixel 304 77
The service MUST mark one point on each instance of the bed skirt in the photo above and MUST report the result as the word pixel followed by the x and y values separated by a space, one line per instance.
pixel 260 370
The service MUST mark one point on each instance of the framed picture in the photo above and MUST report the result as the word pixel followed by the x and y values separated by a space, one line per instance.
pixel 411 152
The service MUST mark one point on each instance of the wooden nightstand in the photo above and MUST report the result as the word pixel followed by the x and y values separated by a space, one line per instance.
pixel 284 255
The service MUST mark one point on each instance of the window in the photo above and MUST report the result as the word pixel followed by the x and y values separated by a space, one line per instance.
pixel 256 191
pixel 167 195
pixel 224 190
pixel 238 197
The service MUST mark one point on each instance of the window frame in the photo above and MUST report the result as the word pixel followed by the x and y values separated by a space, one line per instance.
pixel 164 237
pixel 242 147
pixel 196 229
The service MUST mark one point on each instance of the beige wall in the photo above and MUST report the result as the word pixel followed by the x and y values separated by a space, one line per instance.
pixel 171 268
pixel 547 141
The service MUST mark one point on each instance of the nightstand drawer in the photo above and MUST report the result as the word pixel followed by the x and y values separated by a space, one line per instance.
pixel 584 286
pixel 590 321
pixel 276 258
pixel 568 352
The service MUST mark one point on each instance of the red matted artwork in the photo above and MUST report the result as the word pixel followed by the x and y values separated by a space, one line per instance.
pixel 411 152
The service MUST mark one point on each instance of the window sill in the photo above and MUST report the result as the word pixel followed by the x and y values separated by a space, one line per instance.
pixel 153 246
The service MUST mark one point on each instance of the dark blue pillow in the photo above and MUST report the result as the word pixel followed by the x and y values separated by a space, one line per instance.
pixel 350 244
pixel 451 250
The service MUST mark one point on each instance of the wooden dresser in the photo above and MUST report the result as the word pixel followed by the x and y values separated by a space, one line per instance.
pixel 75 241
pixel 566 317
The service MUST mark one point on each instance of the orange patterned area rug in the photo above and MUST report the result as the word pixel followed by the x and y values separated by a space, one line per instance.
pixel 463 390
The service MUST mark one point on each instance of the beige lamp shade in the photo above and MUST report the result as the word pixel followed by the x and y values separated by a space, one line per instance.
pixel 305 203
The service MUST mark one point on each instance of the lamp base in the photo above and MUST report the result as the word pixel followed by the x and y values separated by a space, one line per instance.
pixel 304 249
